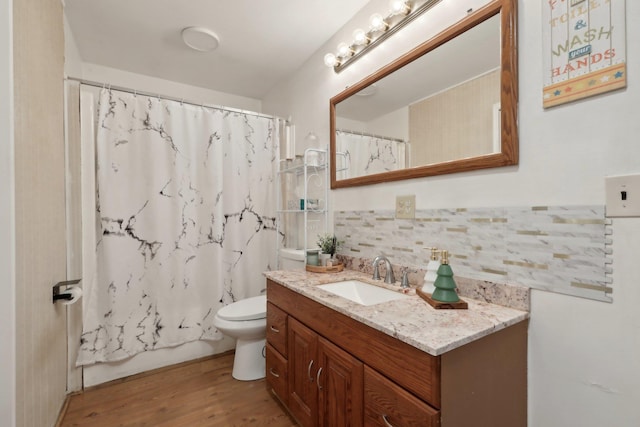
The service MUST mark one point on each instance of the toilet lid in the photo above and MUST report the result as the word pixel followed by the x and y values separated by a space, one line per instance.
pixel 246 309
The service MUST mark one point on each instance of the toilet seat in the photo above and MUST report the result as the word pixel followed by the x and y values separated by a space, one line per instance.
pixel 247 309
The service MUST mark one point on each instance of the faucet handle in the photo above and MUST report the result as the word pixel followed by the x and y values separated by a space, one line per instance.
pixel 405 279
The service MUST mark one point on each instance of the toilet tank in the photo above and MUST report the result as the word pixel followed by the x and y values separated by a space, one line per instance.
pixel 291 259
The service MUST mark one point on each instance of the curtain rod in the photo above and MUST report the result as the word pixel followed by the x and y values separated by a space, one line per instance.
pixel 171 98
pixel 388 138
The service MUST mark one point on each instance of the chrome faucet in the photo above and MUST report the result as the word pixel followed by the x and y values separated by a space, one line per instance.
pixel 389 277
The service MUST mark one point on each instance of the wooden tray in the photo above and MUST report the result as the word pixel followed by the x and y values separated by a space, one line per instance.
pixel 439 305
pixel 335 268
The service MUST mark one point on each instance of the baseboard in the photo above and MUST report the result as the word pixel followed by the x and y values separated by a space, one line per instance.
pixel 157 370
pixel 63 410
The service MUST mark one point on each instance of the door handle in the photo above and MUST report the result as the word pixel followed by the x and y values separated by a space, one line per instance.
pixel 318 378
pixel 309 371
pixel 386 423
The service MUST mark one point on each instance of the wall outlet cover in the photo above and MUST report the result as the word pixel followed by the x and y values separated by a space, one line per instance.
pixel 623 196
pixel 406 207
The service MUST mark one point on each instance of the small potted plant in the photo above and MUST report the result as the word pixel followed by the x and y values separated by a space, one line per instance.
pixel 329 244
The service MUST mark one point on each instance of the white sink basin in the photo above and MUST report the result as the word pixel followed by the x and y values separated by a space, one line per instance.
pixel 361 292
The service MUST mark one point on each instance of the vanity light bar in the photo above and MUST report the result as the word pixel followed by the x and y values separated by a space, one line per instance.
pixel 402 13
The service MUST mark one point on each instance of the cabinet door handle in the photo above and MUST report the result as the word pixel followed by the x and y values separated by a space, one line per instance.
pixel 274 373
pixel 386 423
pixel 277 331
pixel 318 378
pixel 309 371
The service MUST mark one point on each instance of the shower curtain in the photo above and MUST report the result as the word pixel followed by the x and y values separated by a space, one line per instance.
pixel 367 154
pixel 185 222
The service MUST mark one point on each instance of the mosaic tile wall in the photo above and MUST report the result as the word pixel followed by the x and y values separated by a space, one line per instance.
pixel 558 249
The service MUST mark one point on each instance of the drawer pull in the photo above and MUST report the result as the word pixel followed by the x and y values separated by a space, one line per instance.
pixel 276 330
pixel 274 373
pixel 309 371
pixel 318 378
pixel 386 423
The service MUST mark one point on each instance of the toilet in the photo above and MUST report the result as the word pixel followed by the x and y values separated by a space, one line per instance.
pixel 291 259
pixel 246 321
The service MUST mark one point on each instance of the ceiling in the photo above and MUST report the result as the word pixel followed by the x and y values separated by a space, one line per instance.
pixel 261 41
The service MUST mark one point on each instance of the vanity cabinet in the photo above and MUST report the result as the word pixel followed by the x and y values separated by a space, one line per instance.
pixel 336 371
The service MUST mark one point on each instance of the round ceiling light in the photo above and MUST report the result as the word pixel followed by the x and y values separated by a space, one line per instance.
pixel 368 91
pixel 199 38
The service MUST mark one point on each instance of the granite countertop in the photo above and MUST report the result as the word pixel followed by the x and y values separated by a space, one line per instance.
pixel 411 320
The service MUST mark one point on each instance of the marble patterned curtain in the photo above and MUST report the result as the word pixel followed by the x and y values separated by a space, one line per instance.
pixel 367 154
pixel 185 222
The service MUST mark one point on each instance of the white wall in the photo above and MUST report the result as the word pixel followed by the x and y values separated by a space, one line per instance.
pixel 142 83
pixel 7 238
pixel 392 125
pixel 75 67
pixel 72 59
pixel 584 364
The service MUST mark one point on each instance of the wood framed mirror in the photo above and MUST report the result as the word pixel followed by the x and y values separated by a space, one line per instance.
pixel 449 105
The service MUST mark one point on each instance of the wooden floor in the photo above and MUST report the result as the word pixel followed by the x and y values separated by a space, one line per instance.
pixel 201 393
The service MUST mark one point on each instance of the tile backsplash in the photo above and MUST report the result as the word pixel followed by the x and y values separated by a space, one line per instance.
pixel 563 249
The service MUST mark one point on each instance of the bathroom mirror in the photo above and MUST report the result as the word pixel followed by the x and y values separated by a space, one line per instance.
pixel 449 105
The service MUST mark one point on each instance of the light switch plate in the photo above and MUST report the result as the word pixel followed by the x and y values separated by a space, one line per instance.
pixel 406 207
pixel 623 196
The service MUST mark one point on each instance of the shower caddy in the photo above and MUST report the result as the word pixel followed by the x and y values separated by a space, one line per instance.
pixel 303 192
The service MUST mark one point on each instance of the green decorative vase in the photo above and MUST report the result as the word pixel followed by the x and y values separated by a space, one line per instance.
pixel 444 284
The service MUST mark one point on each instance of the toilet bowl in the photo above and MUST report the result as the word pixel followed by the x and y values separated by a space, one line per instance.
pixel 246 321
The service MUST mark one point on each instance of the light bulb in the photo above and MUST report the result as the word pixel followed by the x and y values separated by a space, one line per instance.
pixel 344 50
pixel 330 60
pixel 377 22
pixel 360 37
pixel 397 7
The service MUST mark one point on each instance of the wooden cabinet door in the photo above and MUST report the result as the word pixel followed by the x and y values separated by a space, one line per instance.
pixel 302 370
pixel 277 374
pixel 339 381
pixel 277 328
pixel 386 404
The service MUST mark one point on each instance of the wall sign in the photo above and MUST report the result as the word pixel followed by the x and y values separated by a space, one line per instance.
pixel 584 49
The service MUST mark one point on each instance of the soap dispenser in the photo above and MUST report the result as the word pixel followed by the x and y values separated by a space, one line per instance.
pixel 432 272
pixel 444 284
